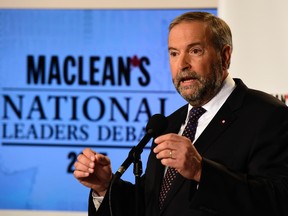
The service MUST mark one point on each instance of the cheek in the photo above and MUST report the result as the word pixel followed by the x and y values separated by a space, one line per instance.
pixel 202 68
pixel 204 71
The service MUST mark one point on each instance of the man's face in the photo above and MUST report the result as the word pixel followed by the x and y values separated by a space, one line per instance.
pixel 196 66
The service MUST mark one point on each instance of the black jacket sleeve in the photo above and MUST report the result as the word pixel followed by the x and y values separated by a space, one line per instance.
pixel 121 201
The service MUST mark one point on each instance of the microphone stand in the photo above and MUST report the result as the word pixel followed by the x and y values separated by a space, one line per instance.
pixel 137 172
pixel 133 157
pixel 156 125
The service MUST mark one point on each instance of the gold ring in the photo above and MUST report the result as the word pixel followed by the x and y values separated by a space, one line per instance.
pixel 170 153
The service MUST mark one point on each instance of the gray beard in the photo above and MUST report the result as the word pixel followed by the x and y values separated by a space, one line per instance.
pixel 205 89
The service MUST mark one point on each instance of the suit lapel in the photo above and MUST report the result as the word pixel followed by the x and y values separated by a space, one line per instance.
pixel 224 117
pixel 215 128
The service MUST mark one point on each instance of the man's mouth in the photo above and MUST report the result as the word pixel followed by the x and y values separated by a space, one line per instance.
pixel 187 80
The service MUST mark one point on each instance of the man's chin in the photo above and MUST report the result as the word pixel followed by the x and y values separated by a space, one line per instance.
pixel 188 94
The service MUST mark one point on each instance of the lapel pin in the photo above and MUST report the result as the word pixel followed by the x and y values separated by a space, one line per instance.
pixel 223 121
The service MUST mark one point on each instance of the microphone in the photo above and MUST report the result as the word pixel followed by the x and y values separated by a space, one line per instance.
pixel 156 125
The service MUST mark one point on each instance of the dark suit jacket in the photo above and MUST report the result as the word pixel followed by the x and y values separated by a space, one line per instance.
pixel 244 169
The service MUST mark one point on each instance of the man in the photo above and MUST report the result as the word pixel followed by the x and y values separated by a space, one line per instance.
pixel 235 164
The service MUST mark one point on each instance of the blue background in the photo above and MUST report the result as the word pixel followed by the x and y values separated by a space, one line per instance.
pixel 35 172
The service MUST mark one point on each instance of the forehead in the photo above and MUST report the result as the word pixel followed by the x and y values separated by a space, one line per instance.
pixel 189 31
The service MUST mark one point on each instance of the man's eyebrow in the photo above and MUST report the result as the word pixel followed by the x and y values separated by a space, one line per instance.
pixel 195 44
pixel 171 48
pixel 188 46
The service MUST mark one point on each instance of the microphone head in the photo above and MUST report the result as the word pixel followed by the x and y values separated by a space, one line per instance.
pixel 156 125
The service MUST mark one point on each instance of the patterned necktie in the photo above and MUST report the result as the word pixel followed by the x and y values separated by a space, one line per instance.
pixel 188 132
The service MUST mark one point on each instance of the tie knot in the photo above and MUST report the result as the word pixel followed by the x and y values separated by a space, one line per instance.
pixel 195 113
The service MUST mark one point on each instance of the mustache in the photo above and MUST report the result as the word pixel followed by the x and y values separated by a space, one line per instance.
pixel 185 75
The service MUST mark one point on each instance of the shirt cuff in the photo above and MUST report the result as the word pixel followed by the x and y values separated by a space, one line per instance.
pixel 97 200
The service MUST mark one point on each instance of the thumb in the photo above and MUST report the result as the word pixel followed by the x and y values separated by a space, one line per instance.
pixel 102 159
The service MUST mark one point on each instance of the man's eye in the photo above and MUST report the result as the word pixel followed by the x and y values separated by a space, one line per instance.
pixel 196 51
pixel 173 54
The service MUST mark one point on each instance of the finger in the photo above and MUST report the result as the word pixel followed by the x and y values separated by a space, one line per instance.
pixel 79 174
pixel 85 161
pixel 169 162
pixel 89 153
pixel 166 145
pixel 165 154
pixel 169 136
pixel 162 138
pixel 81 167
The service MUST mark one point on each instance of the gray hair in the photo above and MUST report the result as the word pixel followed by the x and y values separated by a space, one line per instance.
pixel 220 31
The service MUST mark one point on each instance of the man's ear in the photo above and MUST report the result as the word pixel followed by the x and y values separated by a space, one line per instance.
pixel 226 57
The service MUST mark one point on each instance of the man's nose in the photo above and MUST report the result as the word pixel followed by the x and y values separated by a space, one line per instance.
pixel 184 62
